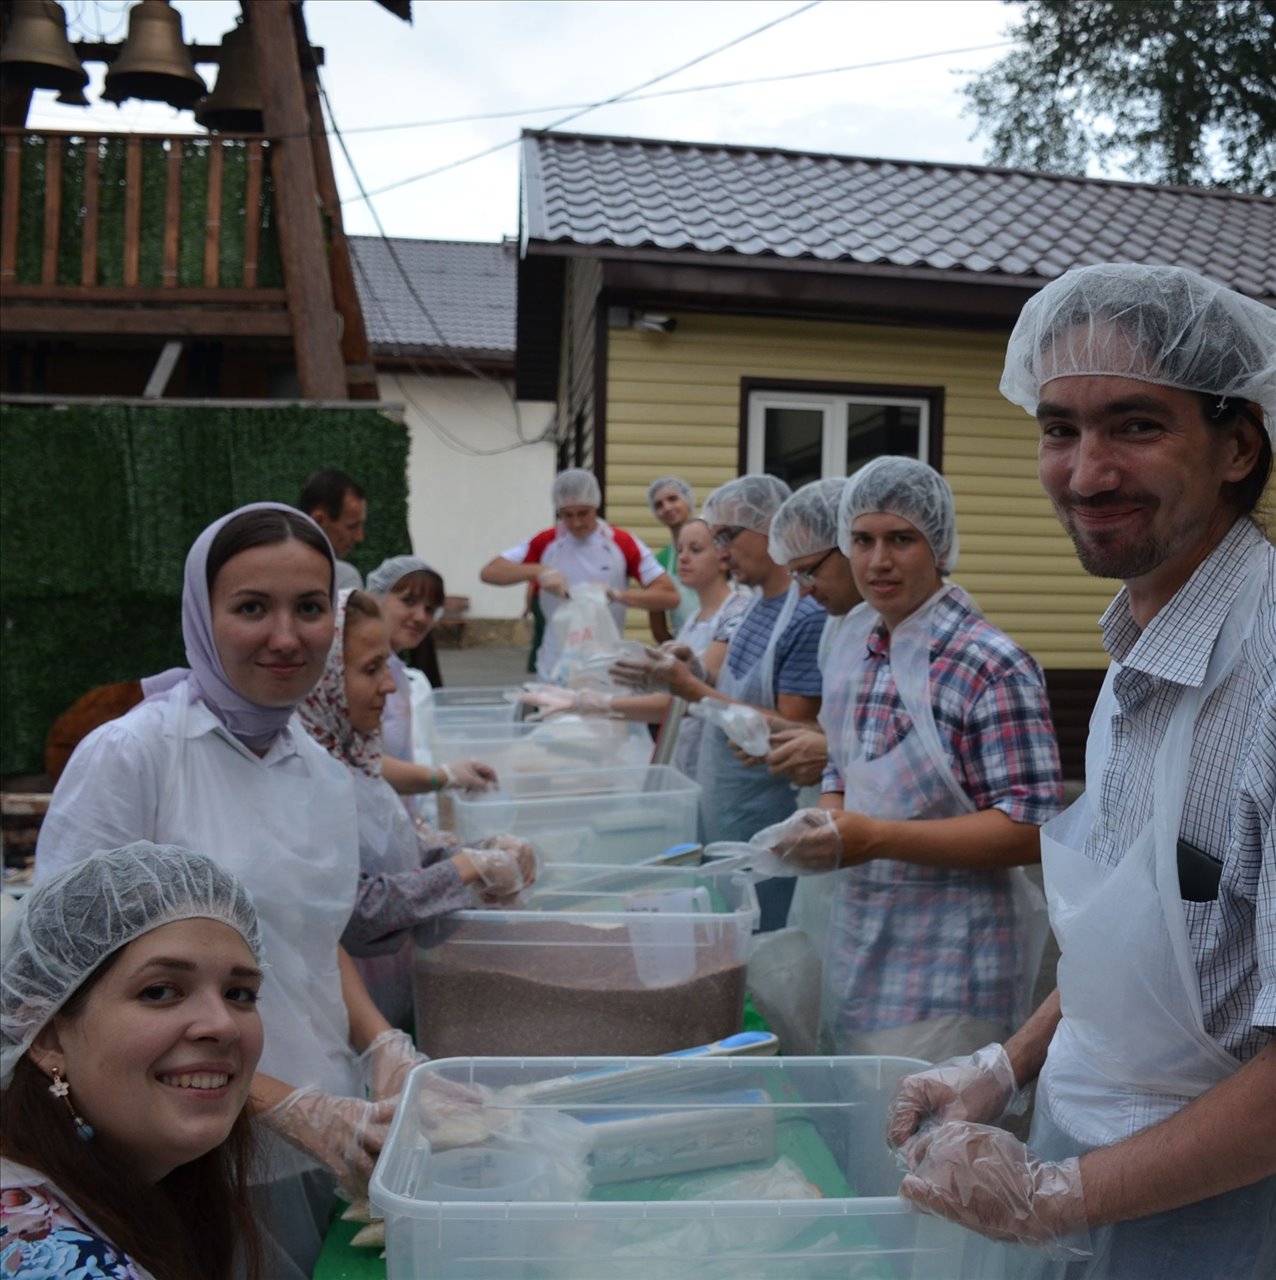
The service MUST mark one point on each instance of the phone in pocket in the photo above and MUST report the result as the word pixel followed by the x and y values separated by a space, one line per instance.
pixel 1198 874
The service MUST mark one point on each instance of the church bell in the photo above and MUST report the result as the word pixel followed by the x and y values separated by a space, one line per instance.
pixel 37 54
pixel 234 106
pixel 154 64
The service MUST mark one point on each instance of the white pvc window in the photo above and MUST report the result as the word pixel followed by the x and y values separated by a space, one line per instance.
pixel 802 436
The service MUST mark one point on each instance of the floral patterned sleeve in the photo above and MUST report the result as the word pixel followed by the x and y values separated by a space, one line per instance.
pixel 41 1237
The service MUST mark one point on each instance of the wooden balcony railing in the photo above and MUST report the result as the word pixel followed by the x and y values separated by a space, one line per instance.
pixel 101 217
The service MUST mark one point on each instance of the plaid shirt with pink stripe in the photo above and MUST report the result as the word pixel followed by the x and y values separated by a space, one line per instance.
pixel 911 943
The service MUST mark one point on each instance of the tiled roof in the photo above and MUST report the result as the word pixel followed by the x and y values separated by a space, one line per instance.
pixel 821 210
pixel 467 288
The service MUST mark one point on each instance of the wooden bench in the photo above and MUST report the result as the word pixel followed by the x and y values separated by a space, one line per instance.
pixel 452 621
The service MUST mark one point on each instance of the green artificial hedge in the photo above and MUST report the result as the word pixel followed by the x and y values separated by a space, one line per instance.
pixel 111 186
pixel 98 505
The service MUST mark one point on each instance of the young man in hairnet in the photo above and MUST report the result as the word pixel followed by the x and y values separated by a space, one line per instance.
pixel 1153 1145
pixel 943 765
pixel 582 547
pixel 771 663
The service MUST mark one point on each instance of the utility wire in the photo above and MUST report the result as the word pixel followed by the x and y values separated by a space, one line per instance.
pixel 594 106
pixel 672 93
pixel 446 349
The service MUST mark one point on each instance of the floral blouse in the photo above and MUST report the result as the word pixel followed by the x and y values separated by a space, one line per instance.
pixel 43 1237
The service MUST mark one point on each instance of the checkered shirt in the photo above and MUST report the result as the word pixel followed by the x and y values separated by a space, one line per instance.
pixel 1230 808
pixel 910 943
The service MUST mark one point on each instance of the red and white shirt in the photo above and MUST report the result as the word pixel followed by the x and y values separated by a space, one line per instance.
pixel 610 557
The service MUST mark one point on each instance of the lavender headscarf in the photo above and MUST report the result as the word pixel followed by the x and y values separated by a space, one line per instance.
pixel 254 725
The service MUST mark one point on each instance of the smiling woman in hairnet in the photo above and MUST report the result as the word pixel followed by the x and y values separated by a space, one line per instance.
pixel 943 766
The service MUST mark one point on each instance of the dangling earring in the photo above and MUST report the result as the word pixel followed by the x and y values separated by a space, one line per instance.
pixel 60 1089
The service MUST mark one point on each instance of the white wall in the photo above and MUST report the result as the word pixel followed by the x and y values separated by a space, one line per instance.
pixel 464 509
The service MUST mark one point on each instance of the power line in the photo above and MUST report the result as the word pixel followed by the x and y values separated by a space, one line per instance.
pixel 594 106
pixel 447 352
pixel 673 93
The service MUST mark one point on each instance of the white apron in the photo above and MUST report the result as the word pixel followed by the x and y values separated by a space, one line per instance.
pixel 302 875
pixel 868 935
pixel 1132 1027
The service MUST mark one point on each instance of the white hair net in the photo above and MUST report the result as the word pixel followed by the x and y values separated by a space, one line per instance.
pixel 907 488
pixel 389 573
pixel 807 522
pixel 1156 324
pixel 67 925
pixel 671 482
pixel 749 502
pixel 576 488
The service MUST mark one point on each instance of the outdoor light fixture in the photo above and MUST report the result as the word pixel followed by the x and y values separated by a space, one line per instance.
pixel 652 322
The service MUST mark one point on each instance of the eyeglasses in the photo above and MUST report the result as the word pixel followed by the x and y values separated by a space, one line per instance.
pixel 806 577
pixel 724 537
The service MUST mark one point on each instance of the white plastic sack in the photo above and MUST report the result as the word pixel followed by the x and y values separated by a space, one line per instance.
pixel 745 726
pixel 582 629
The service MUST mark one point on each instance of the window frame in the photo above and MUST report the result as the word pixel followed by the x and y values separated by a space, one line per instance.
pixel 801 393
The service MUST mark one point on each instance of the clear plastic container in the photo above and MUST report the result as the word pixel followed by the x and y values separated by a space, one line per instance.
pixel 564 744
pixel 478 705
pixel 618 816
pixel 601 960
pixel 669 1169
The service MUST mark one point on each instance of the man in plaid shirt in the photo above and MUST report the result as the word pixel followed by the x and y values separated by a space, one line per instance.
pixel 943 766
pixel 1153 1146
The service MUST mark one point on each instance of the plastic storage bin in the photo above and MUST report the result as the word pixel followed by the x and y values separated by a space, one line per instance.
pixel 479 705
pixel 553 746
pixel 699 1169
pixel 599 960
pixel 617 816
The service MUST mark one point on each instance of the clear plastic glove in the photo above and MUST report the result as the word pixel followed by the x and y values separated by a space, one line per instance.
pixel 746 727
pixel 805 844
pixel 986 1179
pixel 385 1063
pixel 343 1134
pixel 801 755
pixel 505 865
pixel 553 700
pixel 977 1086
pixel 655 671
pixel 469 775
pixel 688 656
pixel 552 581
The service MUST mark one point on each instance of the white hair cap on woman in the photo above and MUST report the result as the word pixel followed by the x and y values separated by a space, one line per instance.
pixel 909 489
pixel 807 522
pixel 1158 324
pixel 657 487
pixel 747 503
pixel 389 573
pixel 68 925
pixel 576 488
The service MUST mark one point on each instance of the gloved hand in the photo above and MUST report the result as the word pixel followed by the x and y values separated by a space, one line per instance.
pixel 977 1086
pixel 805 844
pixel 657 672
pixel 552 581
pixel 343 1134
pixel 800 755
pixel 505 865
pixel 469 775
pixel 687 655
pixel 385 1063
pixel 553 700
pixel 986 1179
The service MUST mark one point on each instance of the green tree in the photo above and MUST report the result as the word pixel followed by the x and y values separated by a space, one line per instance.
pixel 1180 91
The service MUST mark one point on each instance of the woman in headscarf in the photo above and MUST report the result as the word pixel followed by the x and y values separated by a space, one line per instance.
pixel 409 873
pixel 210 761
pixel 129 1034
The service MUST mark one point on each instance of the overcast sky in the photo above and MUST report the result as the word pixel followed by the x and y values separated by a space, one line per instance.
pixel 543 57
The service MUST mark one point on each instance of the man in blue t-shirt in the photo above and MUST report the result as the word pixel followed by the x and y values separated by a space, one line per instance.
pixel 771 663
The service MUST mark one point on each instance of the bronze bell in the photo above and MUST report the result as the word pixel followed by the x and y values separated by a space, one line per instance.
pixel 234 106
pixel 154 63
pixel 38 55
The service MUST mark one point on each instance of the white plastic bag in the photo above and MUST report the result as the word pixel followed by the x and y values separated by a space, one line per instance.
pixel 583 630
pixel 745 726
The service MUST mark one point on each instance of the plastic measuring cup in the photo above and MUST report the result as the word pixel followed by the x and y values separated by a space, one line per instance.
pixel 476 1237
pixel 662 937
